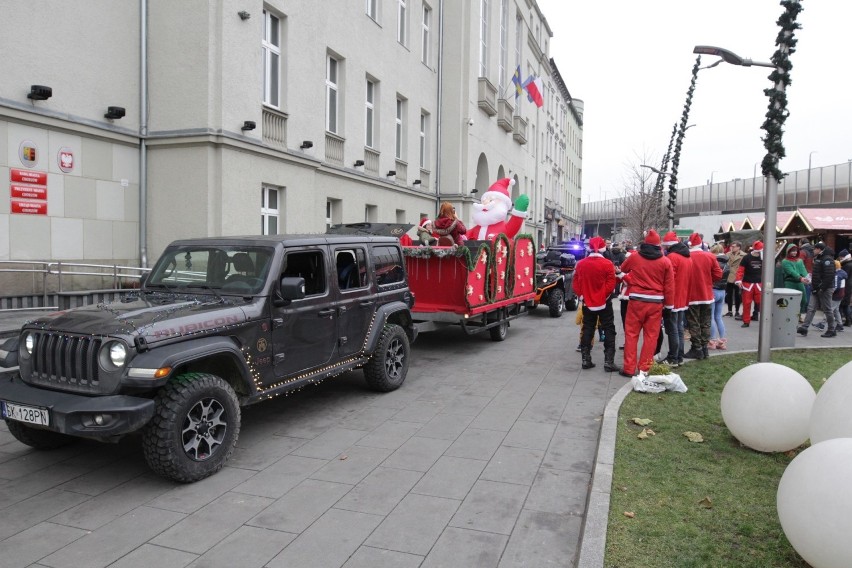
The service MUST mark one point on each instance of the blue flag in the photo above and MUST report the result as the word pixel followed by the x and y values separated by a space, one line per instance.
pixel 516 79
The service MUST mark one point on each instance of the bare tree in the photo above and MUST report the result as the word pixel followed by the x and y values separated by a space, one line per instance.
pixel 640 205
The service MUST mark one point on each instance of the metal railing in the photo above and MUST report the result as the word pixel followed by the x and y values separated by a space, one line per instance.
pixel 61 274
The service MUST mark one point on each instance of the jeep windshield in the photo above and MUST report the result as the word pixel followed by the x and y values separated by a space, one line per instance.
pixel 221 269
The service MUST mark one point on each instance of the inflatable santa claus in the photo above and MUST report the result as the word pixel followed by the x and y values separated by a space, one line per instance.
pixel 489 215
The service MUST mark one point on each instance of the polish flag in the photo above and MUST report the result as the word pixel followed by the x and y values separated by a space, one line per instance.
pixel 534 90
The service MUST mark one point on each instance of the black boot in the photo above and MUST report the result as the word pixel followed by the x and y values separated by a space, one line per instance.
pixel 706 351
pixel 694 353
pixel 609 360
pixel 587 357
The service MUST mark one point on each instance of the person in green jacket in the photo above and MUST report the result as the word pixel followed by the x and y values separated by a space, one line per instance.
pixel 795 275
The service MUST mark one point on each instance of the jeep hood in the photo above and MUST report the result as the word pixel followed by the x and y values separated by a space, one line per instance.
pixel 154 318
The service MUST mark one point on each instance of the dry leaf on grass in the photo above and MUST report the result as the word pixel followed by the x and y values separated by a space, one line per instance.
pixel 629 514
pixel 707 503
pixel 645 433
pixel 694 436
pixel 642 421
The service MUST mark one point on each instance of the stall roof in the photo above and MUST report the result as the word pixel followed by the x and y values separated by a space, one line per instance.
pixel 782 219
pixel 827 219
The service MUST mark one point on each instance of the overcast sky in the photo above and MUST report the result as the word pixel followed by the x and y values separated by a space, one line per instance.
pixel 631 62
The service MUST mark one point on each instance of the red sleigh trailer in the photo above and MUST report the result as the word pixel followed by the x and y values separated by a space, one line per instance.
pixel 480 286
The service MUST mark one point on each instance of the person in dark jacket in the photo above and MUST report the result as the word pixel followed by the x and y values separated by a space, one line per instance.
pixel 845 310
pixel 822 289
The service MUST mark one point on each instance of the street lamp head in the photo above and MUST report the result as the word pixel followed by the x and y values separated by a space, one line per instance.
pixel 655 170
pixel 728 56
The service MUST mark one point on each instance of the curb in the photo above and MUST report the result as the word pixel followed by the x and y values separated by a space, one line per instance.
pixel 593 535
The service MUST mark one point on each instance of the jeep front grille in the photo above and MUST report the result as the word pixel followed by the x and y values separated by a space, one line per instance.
pixel 66 361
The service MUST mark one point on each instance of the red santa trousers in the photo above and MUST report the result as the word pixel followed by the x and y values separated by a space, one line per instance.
pixel 750 296
pixel 644 317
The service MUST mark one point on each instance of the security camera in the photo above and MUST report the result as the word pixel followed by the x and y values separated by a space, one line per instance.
pixel 470 122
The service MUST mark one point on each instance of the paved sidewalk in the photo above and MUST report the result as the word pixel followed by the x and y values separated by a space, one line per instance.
pixel 485 457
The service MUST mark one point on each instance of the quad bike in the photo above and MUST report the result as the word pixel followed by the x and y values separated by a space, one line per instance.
pixel 554 287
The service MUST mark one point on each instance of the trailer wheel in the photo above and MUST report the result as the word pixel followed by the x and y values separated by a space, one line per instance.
pixel 499 332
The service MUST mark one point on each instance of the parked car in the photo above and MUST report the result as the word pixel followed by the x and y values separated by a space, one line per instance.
pixel 220 323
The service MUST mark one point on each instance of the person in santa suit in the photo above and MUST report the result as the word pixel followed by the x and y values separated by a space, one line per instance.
pixel 748 280
pixel 650 277
pixel 594 281
pixel 705 271
pixel 489 215
pixel 674 319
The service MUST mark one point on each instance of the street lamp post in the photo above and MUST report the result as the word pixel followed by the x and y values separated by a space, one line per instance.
pixel 768 269
pixel 710 193
pixel 808 191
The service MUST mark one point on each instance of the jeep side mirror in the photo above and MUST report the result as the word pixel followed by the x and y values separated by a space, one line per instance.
pixel 289 288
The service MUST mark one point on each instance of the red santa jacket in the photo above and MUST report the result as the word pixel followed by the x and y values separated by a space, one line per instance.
pixel 594 281
pixel 682 266
pixel 650 276
pixel 509 228
pixel 705 271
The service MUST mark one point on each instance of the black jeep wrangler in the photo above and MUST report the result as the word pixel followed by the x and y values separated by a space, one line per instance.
pixel 219 323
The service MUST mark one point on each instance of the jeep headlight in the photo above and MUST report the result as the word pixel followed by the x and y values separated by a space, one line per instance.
pixel 113 355
pixel 29 343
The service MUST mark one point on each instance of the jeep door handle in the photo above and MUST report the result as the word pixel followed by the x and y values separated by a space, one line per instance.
pixel 366 303
pixel 326 313
pixel 277 322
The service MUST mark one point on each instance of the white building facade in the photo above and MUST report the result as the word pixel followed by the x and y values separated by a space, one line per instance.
pixel 126 125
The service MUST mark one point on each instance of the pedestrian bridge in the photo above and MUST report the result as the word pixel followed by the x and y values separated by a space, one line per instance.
pixel 827 186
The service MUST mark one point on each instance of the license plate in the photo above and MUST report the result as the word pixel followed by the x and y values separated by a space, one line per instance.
pixel 22 413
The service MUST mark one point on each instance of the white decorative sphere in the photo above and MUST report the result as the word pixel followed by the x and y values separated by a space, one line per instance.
pixel 815 502
pixel 767 407
pixel 831 416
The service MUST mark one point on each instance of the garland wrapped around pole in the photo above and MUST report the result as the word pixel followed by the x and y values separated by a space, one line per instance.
pixel 774 126
pixel 661 177
pixel 679 143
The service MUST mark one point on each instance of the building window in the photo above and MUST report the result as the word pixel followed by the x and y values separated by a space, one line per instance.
pixel 271 50
pixel 519 34
pixel 400 128
pixel 401 23
pixel 373 9
pixel 504 46
pixel 331 88
pixel 426 40
pixel 483 38
pixel 269 211
pixel 424 140
pixel 370 116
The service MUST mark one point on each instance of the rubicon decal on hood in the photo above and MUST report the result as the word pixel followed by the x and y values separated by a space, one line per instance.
pixel 189 328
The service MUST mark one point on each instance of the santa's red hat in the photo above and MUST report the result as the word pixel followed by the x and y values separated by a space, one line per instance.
pixel 695 240
pixel 425 220
pixel 757 245
pixel 597 244
pixel 652 238
pixel 670 239
pixel 500 190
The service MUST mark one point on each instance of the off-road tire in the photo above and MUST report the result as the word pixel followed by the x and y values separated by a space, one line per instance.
pixel 499 332
pixel 556 302
pixel 388 365
pixel 193 402
pixel 572 304
pixel 38 438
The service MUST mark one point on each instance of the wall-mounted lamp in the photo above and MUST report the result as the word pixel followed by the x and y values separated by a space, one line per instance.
pixel 243 15
pixel 248 125
pixel 391 173
pixel 306 144
pixel 114 113
pixel 416 182
pixel 359 163
pixel 474 191
pixel 468 121
pixel 40 93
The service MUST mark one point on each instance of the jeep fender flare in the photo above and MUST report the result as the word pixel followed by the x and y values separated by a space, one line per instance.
pixel 393 312
pixel 182 353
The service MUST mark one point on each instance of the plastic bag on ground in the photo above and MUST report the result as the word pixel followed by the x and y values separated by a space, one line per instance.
pixel 658 383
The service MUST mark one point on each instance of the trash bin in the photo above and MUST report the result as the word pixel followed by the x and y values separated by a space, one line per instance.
pixel 785 316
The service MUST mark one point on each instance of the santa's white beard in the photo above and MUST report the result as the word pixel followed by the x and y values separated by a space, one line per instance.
pixel 495 214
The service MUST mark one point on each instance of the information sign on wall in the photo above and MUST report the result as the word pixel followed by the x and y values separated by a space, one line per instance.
pixel 28 191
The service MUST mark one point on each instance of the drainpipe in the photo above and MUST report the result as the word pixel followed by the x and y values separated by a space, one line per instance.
pixel 440 109
pixel 143 134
